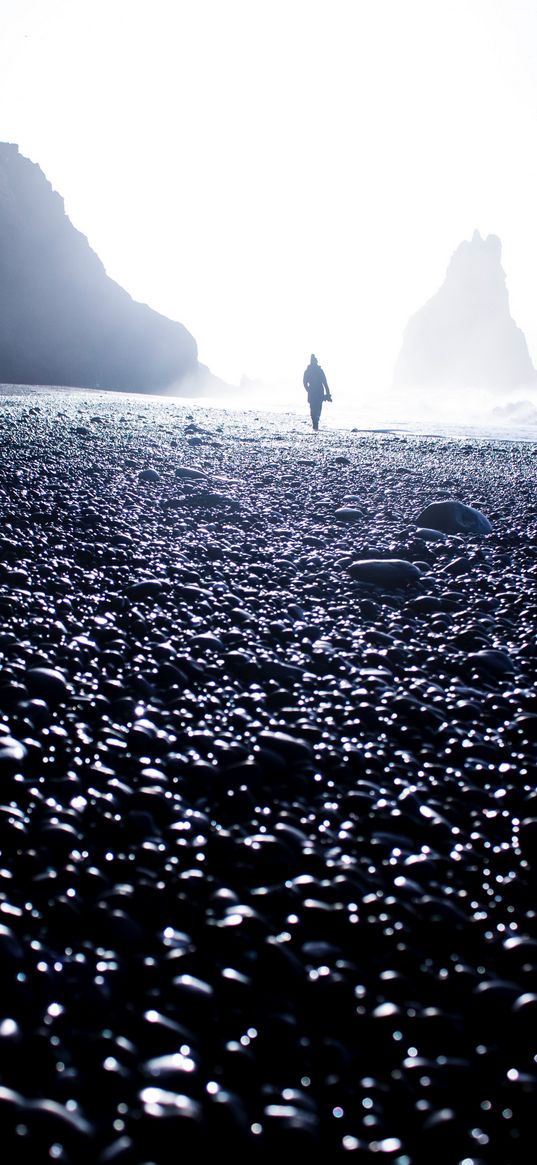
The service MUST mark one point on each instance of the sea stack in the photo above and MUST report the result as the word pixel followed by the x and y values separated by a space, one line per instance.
pixel 465 336
pixel 62 319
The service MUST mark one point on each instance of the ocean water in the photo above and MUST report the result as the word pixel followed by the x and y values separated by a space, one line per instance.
pixel 461 418
pixel 385 416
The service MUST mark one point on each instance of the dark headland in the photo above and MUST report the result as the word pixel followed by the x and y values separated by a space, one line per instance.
pixel 268 816
pixel 63 321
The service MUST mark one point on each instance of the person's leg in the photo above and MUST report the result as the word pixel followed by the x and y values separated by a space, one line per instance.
pixel 315 410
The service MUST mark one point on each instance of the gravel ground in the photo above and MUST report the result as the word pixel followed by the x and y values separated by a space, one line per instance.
pixel 268 816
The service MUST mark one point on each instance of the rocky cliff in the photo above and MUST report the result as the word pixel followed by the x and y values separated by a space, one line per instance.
pixel 62 319
pixel 465 336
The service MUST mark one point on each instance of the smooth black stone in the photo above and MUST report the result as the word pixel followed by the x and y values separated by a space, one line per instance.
pixel 148 475
pixel 47 684
pixel 12 754
pixel 454 517
pixel 390 573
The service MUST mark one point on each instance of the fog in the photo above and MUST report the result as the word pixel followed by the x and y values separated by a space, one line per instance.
pixel 285 178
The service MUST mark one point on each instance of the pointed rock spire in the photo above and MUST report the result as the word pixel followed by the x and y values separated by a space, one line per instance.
pixel 465 336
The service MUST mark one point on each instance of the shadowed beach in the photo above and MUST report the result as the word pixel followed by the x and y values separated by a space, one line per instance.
pixel 268 816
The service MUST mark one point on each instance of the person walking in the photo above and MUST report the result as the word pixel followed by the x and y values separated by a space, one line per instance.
pixel 316 386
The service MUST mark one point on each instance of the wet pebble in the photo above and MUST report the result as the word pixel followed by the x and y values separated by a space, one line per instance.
pixel 454 517
pixel 389 572
pixel 47 684
pixel 268 821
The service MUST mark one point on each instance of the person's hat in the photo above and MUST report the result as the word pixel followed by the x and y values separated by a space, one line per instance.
pixel 313 359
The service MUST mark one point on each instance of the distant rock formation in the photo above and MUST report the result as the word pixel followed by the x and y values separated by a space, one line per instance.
pixel 465 336
pixel 62 319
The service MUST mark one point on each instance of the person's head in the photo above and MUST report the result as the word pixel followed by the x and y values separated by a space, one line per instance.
pixel 313 359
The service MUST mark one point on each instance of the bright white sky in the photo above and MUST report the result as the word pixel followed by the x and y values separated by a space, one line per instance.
pixel 284 176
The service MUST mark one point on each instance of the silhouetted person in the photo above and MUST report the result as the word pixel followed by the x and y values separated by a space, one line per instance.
pixel 317 389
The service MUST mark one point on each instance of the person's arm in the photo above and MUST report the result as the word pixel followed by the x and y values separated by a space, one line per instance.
pixel 327 395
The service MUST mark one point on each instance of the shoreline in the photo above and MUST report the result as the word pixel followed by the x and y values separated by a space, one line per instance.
pixel 448 429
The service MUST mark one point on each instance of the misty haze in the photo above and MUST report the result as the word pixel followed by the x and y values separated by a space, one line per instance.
pixel 268 533
pixel 63 321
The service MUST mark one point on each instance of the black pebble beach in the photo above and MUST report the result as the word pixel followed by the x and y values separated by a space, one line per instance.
pixel 268 812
